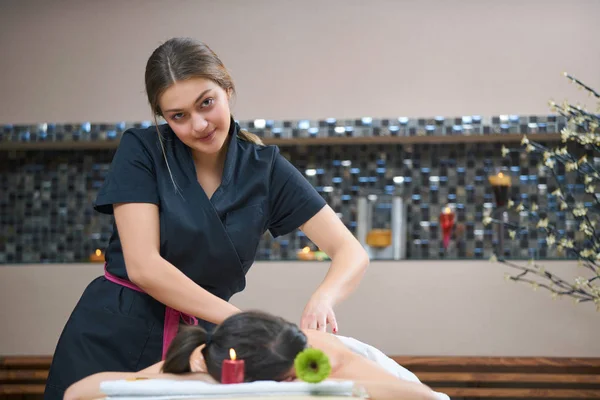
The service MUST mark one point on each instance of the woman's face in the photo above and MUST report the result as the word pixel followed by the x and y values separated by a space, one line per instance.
pixel 198 112
pixel 290 376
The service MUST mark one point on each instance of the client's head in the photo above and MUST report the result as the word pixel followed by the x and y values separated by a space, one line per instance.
pixel 267 344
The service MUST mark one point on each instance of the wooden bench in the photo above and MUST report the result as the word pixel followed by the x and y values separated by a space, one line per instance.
pixel 23 378
pixel 508 377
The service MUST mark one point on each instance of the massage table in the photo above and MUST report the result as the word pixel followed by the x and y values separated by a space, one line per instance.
pixel 150 389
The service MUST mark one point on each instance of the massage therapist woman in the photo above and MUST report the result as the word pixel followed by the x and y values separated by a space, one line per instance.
pixel 191 199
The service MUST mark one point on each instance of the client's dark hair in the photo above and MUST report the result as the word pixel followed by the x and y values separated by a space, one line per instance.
pixel 267 344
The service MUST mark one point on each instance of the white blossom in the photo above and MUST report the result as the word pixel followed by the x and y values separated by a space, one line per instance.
pixel 562 152
pixel 542 271
pixel 586 228
pixel 588 138
pixel 579 210
pixel 571 166
pixel 568 243
pixel 580 282
pixel 587 253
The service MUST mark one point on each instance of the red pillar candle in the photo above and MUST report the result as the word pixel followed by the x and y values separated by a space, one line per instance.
pixel 232 371
pixel 446 223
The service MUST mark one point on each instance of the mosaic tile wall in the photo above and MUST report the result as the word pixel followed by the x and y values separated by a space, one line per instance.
pixel 46 196
pixel 367 126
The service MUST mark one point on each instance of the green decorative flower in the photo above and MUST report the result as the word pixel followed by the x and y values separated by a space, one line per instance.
pixel 312 365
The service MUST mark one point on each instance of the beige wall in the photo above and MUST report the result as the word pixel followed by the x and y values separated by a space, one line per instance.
pixel 80 60
pixel 403 308
pixel 76 60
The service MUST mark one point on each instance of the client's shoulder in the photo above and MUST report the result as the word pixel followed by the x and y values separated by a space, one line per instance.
pixel 335 349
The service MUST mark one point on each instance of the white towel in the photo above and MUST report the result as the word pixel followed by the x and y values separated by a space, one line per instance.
pixel 379 358
pixel 157 389
pixel 383 361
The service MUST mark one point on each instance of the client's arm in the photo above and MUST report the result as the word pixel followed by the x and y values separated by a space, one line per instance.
pixel 398 390
pixel 378 383
pixel 89 388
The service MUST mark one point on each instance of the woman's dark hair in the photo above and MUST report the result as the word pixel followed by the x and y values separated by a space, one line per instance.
pixel 180 59
pixel 267 344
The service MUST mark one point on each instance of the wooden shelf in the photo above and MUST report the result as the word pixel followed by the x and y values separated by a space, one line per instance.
pixel 327 141
pixel 457 139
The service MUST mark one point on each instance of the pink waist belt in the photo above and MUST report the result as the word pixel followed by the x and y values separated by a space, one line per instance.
pixel 171 315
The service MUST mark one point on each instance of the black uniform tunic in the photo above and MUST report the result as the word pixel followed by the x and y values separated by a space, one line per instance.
pixel 211 240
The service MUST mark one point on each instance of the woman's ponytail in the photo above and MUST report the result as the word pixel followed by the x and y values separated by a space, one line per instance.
pixel 250 137
pixel 177 360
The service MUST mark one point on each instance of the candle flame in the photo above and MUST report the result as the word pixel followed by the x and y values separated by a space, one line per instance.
pixel 98 252
pixel 232 354
pixel 306 250
pixel 500 174
pixel 447 210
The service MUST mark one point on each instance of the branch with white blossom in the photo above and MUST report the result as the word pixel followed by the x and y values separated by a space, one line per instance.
pixel 583 130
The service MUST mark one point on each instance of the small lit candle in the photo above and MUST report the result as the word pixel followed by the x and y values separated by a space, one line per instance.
pixel 232 370
pixel 306 254
pixel 501 184
pixel 97 256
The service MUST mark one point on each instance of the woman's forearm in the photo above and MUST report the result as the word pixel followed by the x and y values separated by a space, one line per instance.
pixel 170 286
pixel 139 231
pixel 348 266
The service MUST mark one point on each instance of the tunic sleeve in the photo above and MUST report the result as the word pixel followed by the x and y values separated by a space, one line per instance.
pixel 131 178
pixel 292 199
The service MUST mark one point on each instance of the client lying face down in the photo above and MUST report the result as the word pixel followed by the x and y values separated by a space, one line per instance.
pixel 268 345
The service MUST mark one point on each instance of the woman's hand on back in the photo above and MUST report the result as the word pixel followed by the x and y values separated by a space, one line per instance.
pixel 349 261
pixel 319 313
